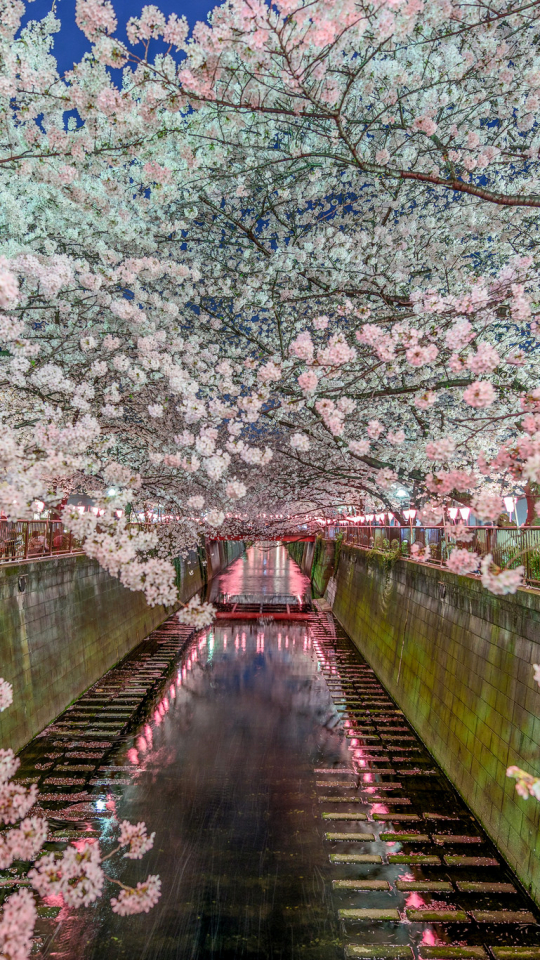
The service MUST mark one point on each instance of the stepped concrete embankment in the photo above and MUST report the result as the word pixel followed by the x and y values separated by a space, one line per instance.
pixel 458 661
pixel 64 622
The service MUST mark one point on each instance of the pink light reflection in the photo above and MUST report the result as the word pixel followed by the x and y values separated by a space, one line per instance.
pixel 415 901
pixel 132 755
pixel 429 938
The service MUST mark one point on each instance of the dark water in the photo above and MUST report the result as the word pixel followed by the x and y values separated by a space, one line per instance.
pixel 242 750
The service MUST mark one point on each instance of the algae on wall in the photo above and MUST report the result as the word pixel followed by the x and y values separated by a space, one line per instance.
pixel 323 565
pixel 64 622
pixel 316 560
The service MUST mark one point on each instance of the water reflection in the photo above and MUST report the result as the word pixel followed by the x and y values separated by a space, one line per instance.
pixel 223 772
pixel 285 789
pixel 262 571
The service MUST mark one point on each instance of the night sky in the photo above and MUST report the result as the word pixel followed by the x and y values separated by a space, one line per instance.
pixel 70 44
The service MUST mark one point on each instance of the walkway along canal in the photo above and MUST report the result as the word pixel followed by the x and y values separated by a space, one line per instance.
pixel 296 812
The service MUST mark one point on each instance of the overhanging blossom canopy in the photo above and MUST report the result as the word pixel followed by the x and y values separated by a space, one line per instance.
pixel 287 261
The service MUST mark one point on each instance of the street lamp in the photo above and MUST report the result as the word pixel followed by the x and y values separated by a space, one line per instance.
pixel 465 511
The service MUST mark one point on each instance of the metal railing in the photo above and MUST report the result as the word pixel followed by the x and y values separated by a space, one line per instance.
pixel 31 539
pixel 509 546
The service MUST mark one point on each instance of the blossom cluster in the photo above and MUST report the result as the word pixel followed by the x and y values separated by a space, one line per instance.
pixel 230 301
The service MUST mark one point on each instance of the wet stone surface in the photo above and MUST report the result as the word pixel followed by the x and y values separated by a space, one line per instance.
pixel 240 746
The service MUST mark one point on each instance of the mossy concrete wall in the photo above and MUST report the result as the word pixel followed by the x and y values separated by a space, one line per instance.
pixel 302 552
pixel 63 623
pixel 458 661
pixel 316 560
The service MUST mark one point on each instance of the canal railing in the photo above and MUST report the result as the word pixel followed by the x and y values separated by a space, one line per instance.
pixel 509 546
pixel 22 540
pixel 31 539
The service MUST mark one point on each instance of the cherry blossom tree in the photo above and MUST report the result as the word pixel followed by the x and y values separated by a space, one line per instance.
pixel 77 875
pixel 298 262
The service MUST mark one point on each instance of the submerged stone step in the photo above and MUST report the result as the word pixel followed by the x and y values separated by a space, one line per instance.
pixel 419 885
pixel 405 837
pixel 503 916
pixel 336 783
pixel 361 885
pixel 329 815
pixel 340 800
pixel 366 914
pixel 444 816
pixel 355 858
pixel 455 861
pixel 422 858
pixel 456 838
pixel 516 953
pixel 444 952
pixel 390 802
pixel 397 816
pixel 384 786
pixel 64 781
pixel 75 767
pixel 344 771
pixel 379 951
pixel 467 886
pixel 436 916
pixel 351 837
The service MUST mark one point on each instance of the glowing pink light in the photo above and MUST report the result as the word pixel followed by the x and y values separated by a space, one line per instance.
pixel 415 901
pixel 132 755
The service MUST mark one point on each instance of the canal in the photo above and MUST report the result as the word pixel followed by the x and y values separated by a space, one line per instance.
pixel 296 813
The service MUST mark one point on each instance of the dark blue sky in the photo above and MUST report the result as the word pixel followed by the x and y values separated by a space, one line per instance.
pixel 70 44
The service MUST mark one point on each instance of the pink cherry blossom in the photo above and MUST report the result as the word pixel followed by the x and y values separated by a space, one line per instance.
pixel 136 838
pixel 77 875
pixel 487 505
pixel 374 429
pixel 308 381
pixel 300 442
pixel 302 347
pixel 17 923
pixel 480 394
pixel 9 288
pixel 500 582
pixel 359 447
pixel 6 694
pixel 485 360
pixel 462 561
pixel 440 449
pixel 140 900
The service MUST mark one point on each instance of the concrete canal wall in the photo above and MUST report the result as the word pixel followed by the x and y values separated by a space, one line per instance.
pixel 64 622
pixel 316 560
pixel 458 661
